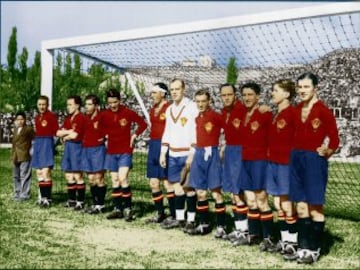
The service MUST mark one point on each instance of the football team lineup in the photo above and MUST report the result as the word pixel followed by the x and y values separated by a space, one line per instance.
pixel 242 151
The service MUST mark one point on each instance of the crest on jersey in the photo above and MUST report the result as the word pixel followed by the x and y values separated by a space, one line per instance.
pixel 73 126
pixel 236 123
pixel 280 124
pixel 254 126
pixel 208 127
pixel 315 123
pixel 96 125
pixel 44 123
pixel 123 122
pixel 183 121
pixel 162 116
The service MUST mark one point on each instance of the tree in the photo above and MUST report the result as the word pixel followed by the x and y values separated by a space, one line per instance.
pixel 232 72
pixel 12 51
pixel 23 63
pixel 29 89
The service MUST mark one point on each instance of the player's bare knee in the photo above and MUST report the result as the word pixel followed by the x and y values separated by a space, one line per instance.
pixel 201 194
pixel 190 192
pixel 317 213
pixel 302 209
pixel 277 204
pixel 179 191
pixel 154 184
pixel 217 196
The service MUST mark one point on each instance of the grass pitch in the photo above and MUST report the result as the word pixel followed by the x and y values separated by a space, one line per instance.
pixel 61 238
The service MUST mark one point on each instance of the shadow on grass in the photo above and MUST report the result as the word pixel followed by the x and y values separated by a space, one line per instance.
pixel 328 240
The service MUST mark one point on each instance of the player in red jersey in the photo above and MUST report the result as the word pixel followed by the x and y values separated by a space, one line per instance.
pixel 93 154
pixel 46 125
pixel 155 172
pixel 314 124
pixel 280 139
pixel 71 133
pixel 117 122
pixel 233 114
pixel 254 130
pixel 205 171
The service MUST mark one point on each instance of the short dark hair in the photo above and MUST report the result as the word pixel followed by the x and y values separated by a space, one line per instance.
pixel 76 98
pixel 113 93
pixel 227 85
pixel 162 86
pixel 20 113
pixel 309 75
pixel 286 85
pixel 252 85
pixel 94 98
pixel 180 80
pixel 202 91
pixel 42 97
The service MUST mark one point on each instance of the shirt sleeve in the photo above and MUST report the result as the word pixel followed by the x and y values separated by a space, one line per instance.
pixel 142 125
pixel 166 134
pixel 333 132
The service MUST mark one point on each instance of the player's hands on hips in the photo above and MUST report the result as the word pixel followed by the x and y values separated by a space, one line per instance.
pixel 324 151
pixel 132 140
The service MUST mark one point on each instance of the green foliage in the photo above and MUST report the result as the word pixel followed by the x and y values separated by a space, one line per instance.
pixel 20 84
pixel 232 72
pixel 12 51
pixel 23 63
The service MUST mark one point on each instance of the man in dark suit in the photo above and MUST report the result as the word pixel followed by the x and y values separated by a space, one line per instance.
pixel 20 156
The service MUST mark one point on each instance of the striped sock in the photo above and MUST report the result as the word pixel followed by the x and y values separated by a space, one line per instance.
pixel 171 202
pixel 117 198
pixel 254 221
pixel 127 197
pixel 203 211
pixel 266 219
pixel 71 189
pixel 81 192
pixel 220 210
pixel 158 199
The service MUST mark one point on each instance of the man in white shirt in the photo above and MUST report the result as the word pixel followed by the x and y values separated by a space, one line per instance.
pixel 179 139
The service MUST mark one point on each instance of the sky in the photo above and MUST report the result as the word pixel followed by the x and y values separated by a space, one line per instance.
pixel 37 21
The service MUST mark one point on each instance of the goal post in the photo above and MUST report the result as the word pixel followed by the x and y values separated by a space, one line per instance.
pixel 267 46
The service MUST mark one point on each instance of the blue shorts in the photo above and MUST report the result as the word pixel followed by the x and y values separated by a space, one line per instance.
pixel 232 166
pixel 115 161
pixel 308 177
pixel 154 170
pixel 205 174
pixel 43 153
pixel 175 165
pixel 71 160
pixel 253 175
pixel 93 158
pixel 277 179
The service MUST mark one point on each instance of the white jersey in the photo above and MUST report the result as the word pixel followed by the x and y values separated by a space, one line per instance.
pixel 179 136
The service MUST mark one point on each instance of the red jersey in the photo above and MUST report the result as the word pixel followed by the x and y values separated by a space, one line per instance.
pixel 208 127
pixel 280 138
pixel 255 133
pixel 93 134
pixel 319 124
pixel 232 120
pixel 46 124
pixel 77 123
pixel 158 121
pixel 117 125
